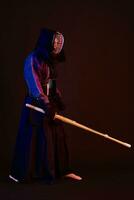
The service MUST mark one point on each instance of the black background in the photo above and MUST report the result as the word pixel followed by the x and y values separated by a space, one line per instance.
pixel 96 81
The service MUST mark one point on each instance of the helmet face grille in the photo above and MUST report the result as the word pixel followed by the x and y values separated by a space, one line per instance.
pixel 58 42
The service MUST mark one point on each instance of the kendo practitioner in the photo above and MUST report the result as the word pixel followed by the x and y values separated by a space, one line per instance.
pixel 41 150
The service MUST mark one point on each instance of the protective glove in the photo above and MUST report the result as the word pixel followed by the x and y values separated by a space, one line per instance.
pixel 49 108
pixel 58 102
pixel 50 111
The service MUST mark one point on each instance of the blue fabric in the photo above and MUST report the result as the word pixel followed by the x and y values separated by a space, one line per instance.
pixel 21 161
pixel 44 45
pixel 30 75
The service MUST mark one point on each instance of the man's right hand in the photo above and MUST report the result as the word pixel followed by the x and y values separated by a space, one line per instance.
pixel 49 111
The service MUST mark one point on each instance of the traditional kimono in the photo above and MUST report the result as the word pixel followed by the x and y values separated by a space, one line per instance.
pixel 41 147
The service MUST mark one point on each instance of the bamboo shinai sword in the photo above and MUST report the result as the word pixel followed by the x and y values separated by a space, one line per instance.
pixel 74 123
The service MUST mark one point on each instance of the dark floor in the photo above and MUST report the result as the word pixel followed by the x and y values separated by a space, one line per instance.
pixel 96 184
